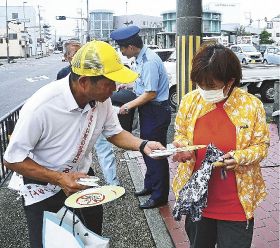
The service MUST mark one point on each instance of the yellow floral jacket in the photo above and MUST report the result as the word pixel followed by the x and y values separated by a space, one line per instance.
pixel 246 112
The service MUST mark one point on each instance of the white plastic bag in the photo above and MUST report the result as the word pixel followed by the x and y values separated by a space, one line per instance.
pixel 57 233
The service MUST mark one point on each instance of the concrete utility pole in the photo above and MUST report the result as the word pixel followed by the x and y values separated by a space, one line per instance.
pixel 188 39
pixel 25 32
pixel 40 31
pixel 88 36
pixel 7 34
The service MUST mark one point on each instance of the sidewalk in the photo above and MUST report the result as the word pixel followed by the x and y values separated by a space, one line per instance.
pixel 266 230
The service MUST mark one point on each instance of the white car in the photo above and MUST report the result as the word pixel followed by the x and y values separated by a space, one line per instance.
pixel 272 56
pixel 247 53
pixel 170 66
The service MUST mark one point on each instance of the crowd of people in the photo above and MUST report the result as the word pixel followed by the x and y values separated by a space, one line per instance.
pixel 52 143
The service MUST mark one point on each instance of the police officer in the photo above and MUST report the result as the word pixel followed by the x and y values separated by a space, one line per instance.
pixel 152 92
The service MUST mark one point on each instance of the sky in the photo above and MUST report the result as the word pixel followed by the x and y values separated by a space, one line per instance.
pixel 258 9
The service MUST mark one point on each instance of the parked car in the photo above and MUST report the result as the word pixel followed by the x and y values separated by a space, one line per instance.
pixel 164 53
pixel 57 51
pixel 170 66
pixel 153 47
pixel 247 53
pixel 272 56
pixel 262 48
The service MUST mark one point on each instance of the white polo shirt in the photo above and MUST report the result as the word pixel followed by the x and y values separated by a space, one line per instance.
pixel 50 126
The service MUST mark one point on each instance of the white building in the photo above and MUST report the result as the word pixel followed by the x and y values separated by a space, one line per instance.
pixel 101 24
pixel 28 31
pixel 149 26
pixel 273 27
pixel 18 41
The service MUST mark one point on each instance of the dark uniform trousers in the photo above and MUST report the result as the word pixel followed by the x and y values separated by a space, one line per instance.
pixel 155 118
pixel 92 217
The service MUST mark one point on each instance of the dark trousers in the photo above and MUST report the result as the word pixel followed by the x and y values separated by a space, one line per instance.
pixel 154 121
pixel 206 233
pixel 92 217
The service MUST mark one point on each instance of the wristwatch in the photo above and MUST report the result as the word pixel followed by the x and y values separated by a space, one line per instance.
pixel 126 110
pixel 142 146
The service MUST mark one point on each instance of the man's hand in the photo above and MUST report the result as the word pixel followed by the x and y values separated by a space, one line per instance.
pixel 182 157
pixel 124 109
pixel 67 182
pixel 153 145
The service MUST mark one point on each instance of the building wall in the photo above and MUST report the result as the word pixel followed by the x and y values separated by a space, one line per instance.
pixel 26 15
pixel 211 26
pixel 17 42
pixel 101 24
pixel 150 26
pixel 273 27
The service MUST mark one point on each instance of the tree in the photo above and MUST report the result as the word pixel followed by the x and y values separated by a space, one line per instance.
pixel 241 31
pixel 265 38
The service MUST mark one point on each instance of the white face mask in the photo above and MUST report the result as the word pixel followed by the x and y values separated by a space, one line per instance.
pixel 212 96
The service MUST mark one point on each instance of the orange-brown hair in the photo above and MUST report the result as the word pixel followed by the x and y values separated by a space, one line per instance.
pixel 214 61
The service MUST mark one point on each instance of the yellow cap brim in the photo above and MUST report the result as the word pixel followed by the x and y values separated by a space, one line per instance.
pixel 124 75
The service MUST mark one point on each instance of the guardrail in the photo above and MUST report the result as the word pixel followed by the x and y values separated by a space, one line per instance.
pixel 7 123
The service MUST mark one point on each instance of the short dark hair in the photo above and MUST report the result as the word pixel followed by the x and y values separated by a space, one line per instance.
pixel 214 61
pixel 93 79
pixel 135 40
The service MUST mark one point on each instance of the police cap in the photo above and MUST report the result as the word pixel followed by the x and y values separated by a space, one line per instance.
pixel 124 33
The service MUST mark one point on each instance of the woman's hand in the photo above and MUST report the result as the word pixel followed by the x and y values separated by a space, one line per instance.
pixel 229 162
pixel 182 157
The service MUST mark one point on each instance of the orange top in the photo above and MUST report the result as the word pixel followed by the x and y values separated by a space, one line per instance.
pixel 222 203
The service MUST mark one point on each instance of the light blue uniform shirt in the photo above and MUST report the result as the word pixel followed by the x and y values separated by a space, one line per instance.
pixel 152 75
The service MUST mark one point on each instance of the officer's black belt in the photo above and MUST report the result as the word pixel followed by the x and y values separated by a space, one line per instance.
pixel 163 103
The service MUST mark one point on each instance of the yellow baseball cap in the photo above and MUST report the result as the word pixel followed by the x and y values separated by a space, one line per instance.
pixel 97 58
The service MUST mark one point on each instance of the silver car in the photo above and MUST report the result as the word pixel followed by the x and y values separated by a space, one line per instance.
pixel 272 56
pixel 247 53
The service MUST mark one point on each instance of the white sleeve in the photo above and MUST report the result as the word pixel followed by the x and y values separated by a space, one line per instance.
pixel 112 125
pixel 25 136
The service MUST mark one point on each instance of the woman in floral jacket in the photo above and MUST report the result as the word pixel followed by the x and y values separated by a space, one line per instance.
pixel 220 113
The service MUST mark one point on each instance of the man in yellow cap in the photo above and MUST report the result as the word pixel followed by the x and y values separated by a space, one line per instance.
pixel 51 146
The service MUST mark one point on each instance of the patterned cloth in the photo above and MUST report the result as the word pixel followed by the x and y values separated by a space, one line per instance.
pixel 193 196
pixel 247 114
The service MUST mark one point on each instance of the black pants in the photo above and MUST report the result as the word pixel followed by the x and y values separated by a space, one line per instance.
pixel 92 217
pixel 154 121
pixel 206 233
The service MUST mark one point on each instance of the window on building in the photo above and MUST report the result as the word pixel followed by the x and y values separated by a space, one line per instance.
pixel 97 16
pixel 277 34
pixel 12 36
pixel 105 25
pixel 105 16
pixel 144 23
pixel 14 15
pixel 105 34
pixel 1 40
pixel 206 27
pixel 269 25
pixel 97 25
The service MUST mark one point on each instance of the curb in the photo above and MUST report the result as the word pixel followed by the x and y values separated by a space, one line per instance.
pixel 156 224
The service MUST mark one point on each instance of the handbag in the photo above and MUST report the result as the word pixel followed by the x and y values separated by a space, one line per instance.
pixel 65 229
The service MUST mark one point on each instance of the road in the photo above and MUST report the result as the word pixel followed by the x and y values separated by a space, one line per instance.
pixel 260 70
pixel 20 80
